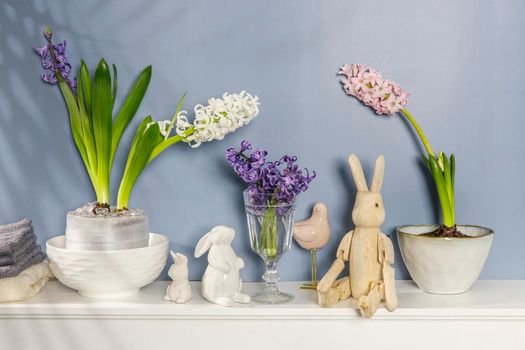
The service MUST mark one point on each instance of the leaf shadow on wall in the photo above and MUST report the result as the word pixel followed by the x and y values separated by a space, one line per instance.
pixel 431 197
pixel 35 141
pixel 37 147
pixel 327 255
pixel 242 237
pixel 430 187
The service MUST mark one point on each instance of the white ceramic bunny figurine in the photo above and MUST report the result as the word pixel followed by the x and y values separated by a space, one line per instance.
pixel 221 283
pixel 368 250
pixel 179 290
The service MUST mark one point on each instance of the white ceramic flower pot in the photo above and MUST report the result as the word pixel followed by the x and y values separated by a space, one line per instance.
pixel 90 232
pixel 107 274
pixel 444 265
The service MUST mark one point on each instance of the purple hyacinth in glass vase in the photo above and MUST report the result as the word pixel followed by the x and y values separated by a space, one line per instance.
pixel 272 188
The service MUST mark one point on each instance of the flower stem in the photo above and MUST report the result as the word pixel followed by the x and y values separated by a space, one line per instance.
pixel 168 142
pixel 419 131
pixel 55 63
pixel 443 176
pixel 174 119
pixel 268 236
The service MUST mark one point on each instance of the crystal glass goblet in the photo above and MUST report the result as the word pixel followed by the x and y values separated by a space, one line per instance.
pixel 270 229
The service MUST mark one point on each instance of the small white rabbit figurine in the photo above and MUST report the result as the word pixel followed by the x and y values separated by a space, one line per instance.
pixel 221 283
pixel 366 248
pixel 179 290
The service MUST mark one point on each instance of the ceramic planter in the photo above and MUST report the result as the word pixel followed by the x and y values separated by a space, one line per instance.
pixel 107 274
pixel 106 233
pixel 444 265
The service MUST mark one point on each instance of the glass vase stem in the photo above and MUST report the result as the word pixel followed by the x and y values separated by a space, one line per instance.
pixel 271 277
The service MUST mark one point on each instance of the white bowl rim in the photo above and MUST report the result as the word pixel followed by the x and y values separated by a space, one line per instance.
pixel 155 239
pixel 489 232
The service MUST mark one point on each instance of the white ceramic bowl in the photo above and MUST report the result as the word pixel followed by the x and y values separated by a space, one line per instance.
pixel 444 265
pixel 107 274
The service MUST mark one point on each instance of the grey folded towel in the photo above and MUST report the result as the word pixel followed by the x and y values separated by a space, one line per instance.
pixel 28 248
pixel 18 248
pixel 14 236
pixel 15 227
pixel 22 245
pixel 29 260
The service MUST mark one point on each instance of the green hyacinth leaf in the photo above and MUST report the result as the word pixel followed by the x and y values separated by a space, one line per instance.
pixel 136 140
pixel 448 183
pixel 426 161
pixel 174 119
pixel 87 127
pixel 439 181
pixel 102 126
pixel 129 108
pixel 145 141
pixel 115 84
pixel 452 170
pixel 74 119
pixel 84 79
pixel 452 176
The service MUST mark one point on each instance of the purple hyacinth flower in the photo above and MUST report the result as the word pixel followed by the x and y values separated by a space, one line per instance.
pixel 276 182
pixel 258 158
pixel 245 146
pixel 54 61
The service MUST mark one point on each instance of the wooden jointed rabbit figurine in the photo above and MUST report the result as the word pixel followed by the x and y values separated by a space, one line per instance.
pixel 221 283
pixel 368 250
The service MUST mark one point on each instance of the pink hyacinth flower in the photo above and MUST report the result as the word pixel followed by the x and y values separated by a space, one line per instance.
pixel 369 86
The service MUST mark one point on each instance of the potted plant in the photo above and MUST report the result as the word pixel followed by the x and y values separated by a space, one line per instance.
pixel 103 241
pixel 445 258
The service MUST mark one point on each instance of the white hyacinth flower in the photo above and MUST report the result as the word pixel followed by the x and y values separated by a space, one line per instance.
pixel 164 126
pixel 219 118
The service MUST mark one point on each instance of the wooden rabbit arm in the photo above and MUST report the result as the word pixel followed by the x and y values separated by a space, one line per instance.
pixel 331 275
pixel 389 278
pixel 386 257
pixel 343 250
pixel 386 249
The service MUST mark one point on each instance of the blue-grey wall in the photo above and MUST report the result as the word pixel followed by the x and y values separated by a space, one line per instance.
pixel 462 61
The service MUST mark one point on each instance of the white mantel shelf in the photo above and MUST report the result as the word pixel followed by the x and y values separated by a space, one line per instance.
pixel 489 316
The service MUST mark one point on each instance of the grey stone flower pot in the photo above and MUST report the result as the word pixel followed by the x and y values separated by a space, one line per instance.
pixel 442 265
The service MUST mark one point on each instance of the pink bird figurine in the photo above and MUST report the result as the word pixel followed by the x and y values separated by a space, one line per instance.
pixel 313 234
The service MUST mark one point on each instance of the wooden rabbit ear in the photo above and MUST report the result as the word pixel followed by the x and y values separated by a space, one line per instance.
pixel 203 245
pixel 357 173
pixel 173 255
pixel 379 173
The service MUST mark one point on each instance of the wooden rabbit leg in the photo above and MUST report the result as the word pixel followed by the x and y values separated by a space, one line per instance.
pixel 368 303
pixel 340 290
